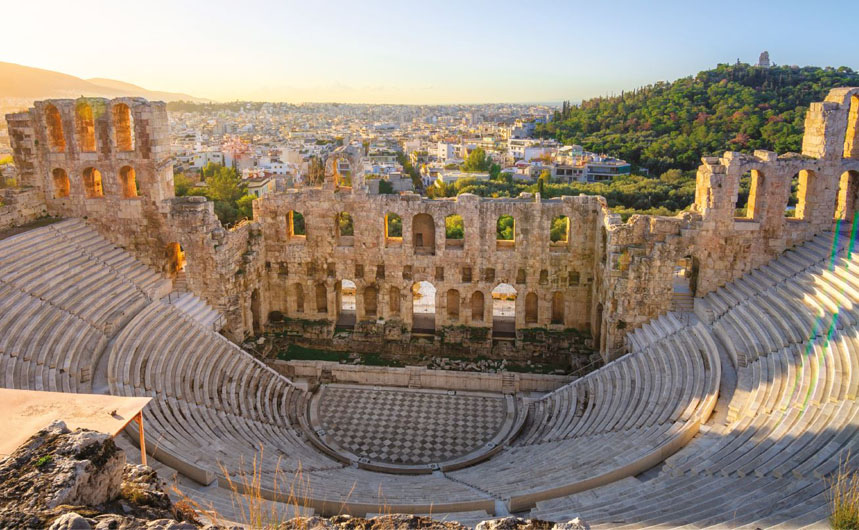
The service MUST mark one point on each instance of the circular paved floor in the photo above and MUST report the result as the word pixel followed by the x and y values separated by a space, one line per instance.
pixel 407 427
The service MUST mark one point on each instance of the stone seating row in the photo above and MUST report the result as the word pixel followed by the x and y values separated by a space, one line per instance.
pixel 652 332
pixel 115 258
pixel 56 270
pixel 783 270
pixel 790 312
pixel 196 308
pixel 665 382
pixel 43 347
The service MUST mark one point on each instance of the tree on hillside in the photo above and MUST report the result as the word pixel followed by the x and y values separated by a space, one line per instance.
pixel 477 160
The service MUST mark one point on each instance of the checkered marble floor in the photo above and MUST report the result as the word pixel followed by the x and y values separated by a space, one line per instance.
pixel 409 427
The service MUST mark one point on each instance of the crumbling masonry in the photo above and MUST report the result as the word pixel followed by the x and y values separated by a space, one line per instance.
pixel 108 161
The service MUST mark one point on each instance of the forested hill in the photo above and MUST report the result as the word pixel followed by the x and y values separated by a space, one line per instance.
pixel 672 125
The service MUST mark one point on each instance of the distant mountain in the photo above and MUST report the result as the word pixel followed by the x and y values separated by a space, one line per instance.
pixel 24 82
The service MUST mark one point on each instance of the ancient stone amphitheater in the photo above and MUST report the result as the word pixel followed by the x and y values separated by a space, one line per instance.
pixel 729 411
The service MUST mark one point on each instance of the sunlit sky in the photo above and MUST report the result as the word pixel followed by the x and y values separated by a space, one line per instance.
pixel 416 52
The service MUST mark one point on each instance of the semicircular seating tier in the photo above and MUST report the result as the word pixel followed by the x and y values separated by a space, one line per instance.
pixel 792 420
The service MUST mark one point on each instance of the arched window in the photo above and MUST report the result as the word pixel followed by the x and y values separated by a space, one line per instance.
pixel 371 301
pixel 393 229
pixel 295 225
pixel 477 306
pixel 851 141
pixel 557 307
pixel 531 308
pixel 423 307
pixel 123 127
pixel 61 183
pixel 342 173
pixel 85 126
pixel 504 311
pixel 345 229
pixel 505 232
pixel 848 193
pixel 346 291
pixel 298 298
pixel 454 231
pixel 423 234
pixel 54 124
pixel 796 203
pixel 128 182
pixel 394 302
pixel 751 187
pixel 321 298
pixel 92 183
pixel 453 304
pixel 175 258
pixel 559 233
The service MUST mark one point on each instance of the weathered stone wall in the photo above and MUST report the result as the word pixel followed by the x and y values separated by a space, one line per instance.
pixel 607 279
pixel 19 206
pixel 478 263
pixel 419 376
pixel 52 138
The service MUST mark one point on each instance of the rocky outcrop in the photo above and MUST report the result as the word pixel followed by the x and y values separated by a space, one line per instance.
pixel 64 480
pixel 67 480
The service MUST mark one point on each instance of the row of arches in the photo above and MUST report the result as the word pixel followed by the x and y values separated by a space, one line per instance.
pixel 91 180
pixel 424 230
pixel 749 205
pixel 84 127
pixel 424 297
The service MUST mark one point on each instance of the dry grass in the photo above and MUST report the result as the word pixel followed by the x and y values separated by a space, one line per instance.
pixel 844 497
pixel 250 497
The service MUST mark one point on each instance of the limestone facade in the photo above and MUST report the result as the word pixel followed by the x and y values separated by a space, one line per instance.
pixel 109 161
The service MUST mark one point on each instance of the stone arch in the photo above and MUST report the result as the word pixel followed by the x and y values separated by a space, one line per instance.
pixel 54 125
pixel 123 127
pixel 453 304
pixel 797 201
pixel 256 312
pixel 531 308
pixel 423 234
pixel 505 231
pixel 558 308
pixel 751 188
pixel 851 140
pixel 848 196
pixel 371 301
pixel 597 331
pixel 128 182
pixel 454 231
pixel 559 232
pixel 344 229
pixel 393 229
pixel 478 306
pixel 504 311
pixel 85 126
pixel 394 302
pixel 297 296
pixel 345 291
pixel 296 228
pixel 92 183
pixel 423 307
pixel 321 298
pixel 62 186
pixel 175 258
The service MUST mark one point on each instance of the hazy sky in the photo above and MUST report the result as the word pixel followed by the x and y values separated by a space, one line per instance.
pixel 416 52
